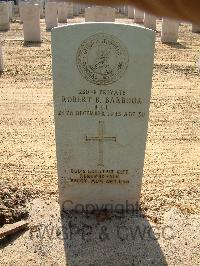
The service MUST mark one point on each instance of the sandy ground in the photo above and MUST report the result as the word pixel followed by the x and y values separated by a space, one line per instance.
pixel 171 172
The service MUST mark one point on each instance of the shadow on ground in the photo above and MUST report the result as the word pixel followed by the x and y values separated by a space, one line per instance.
pixel 32 44
pixel 177 45
pixel 9 240
pixel 107 239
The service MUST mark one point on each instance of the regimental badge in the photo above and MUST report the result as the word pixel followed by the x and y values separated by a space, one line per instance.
pixel 102 59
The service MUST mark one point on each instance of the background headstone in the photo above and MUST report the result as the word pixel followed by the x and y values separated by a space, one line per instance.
pixel 138 16
pixel 4 16
pixel 126 10
pixel 130 12
pixel 195 28
pixel 16 10
pixel 121 9
pixel 169 31
pixel 75 10
pixel 62 12
pixel 51 17
pixel 41 4
pixel 10 9
pixel 21 4
pixel 99 14
pixel 70 10
pixel 149 21
pixel 31 22
pixel 82 8
pixel 198 63
pixel 1 58
pixel 102 74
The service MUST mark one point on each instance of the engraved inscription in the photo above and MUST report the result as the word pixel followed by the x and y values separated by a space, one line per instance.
pixel 102 103
pixel 102 59
pixel 99 176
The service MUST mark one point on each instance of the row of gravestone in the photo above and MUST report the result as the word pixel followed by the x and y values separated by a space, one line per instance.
pixel 59 12
pixel 169 27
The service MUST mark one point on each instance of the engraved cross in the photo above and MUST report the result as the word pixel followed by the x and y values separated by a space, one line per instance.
pixel 101 138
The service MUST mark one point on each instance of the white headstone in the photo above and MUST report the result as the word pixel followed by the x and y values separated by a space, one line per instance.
pixel 149 21
pixel 1 58
pixel 31 22
pixel 198 63
pixel 78 8
pixel 121 9
pixel 51 17
pixel 195 28
pixel 21 4
pixel 41 4
pixel 70 10
pixel 101 108
pixel 130 12
pixel 126 10
pixel 138 16
pixel 82 8
pixel 99 14
pixel 4 16
pixel 169 31
pixel 62 12
pixel 10 9
pixel 75 10
pixel 16 10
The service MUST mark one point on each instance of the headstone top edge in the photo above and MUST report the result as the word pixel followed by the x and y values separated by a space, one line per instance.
pixel 86 24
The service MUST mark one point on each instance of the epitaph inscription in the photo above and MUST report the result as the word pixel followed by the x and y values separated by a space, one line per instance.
pixel 102 59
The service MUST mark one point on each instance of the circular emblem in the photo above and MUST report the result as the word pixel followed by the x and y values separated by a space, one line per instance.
pixel 102 59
